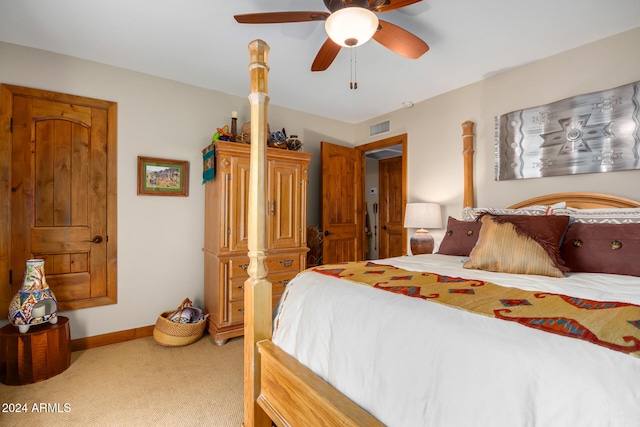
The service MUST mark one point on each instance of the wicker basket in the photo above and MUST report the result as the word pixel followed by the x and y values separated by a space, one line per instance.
pixel 174 334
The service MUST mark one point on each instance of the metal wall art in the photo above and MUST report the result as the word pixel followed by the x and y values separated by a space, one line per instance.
pixel 596 132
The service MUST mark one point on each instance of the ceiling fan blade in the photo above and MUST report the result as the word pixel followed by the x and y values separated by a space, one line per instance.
pixel 326 55
pixel 280 17
pixel 394 4
pixel 400 40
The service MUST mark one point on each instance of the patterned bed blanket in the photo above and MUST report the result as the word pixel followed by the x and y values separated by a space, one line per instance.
pixel 614 325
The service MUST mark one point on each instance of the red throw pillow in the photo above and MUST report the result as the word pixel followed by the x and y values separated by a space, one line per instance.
pixel 602 248
pixel 460 237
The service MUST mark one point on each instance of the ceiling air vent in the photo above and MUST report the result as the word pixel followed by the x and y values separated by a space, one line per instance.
pixel 379 128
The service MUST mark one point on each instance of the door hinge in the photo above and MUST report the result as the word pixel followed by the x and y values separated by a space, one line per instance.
pixel 11 125
pixel 10 277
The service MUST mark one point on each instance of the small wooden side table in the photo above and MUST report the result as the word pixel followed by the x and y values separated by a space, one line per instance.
pixel 39 354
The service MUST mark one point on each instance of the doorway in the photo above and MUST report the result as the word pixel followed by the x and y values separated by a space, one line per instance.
pixel 385 193
pixel 346 221
pixel 58 194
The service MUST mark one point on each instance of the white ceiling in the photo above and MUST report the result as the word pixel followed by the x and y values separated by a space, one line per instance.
pixel 198 42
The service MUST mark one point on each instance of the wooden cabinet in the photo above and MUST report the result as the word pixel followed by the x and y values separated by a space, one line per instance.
pixel 226 230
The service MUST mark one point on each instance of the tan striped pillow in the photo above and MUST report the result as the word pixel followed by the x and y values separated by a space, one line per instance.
pixel 503 247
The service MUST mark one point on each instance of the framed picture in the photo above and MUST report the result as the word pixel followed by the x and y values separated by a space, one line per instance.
pixel 163 177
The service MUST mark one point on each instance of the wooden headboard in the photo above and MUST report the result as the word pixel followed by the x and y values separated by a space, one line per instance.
pixel 582 200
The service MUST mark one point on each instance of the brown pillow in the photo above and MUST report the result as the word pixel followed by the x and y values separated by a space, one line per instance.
pixel 548 231
pixel 520 245
pixel 460 237
pixel 603 248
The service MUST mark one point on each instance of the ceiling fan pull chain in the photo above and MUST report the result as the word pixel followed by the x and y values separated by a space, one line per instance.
pixel 353 65
pixel 351 69
pixel 355 69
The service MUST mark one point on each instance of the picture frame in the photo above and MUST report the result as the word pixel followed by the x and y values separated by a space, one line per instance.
pixel 163 177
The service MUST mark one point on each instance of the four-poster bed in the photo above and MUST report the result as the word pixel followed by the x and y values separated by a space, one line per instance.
pixel 285 389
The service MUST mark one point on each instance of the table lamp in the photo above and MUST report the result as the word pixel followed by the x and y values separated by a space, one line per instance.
pixel 422 216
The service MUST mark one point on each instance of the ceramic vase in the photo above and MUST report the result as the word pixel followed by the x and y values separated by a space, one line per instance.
pixel 34 303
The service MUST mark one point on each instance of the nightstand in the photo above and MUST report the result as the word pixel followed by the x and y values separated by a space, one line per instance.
pixel 39 354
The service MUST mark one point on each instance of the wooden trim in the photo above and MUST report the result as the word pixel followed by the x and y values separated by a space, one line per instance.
pixel 111 338
pixel 60 97
pixel 6 109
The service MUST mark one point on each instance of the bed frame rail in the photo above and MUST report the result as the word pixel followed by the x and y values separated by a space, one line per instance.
pixel 293 395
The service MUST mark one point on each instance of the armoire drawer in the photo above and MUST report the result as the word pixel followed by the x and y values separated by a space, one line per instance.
pixel 237 288
pixel 236 314
pixel 283 262
pixel 275 263
pixel 278 283
pixel 239 266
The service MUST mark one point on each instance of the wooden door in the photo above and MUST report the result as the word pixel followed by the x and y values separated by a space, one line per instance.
pixel 63 203
pixel 342 196
pixel 391 208
pixel 283 205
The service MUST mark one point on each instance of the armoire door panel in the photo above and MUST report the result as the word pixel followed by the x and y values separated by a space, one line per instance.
pixel 239 204
pixel 283 202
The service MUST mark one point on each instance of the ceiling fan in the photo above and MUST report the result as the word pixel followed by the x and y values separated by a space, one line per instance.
pixel 341 21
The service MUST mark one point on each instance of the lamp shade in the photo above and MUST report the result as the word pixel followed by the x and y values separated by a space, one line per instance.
pixel 351 26
pixel 423 215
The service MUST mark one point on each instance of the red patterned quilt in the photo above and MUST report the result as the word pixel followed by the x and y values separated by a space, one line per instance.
pixel 614 325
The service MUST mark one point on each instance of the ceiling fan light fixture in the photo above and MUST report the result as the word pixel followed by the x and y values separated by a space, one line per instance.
pixel 351 26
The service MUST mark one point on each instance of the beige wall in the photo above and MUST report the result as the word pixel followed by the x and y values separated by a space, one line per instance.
pixel 160 261
pixel 160 239
pixel 433 126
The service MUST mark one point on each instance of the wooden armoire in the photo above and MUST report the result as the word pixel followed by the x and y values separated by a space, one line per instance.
pixel 225 231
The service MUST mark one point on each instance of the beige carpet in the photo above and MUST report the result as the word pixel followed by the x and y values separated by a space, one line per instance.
pixel 137 383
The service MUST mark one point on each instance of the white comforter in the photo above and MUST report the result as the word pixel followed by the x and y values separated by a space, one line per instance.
pixel 412 362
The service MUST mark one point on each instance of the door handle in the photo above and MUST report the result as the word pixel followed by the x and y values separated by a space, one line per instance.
pixel 326 232
pixel 384 227
pixel 96 239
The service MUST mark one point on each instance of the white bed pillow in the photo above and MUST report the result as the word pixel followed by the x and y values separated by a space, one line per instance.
pixel 471 214
pixel 602 215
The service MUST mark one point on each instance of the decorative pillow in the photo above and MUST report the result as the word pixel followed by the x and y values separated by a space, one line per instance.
pixel 602 248
pixel 471 214
pixel 460 237
pixel 519 244
pixel 603 215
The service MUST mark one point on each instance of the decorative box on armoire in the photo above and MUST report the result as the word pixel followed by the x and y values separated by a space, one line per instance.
pixel 225 230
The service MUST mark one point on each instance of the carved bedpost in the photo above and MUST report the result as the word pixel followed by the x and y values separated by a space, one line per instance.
pixel 467 154
pixel 257 294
